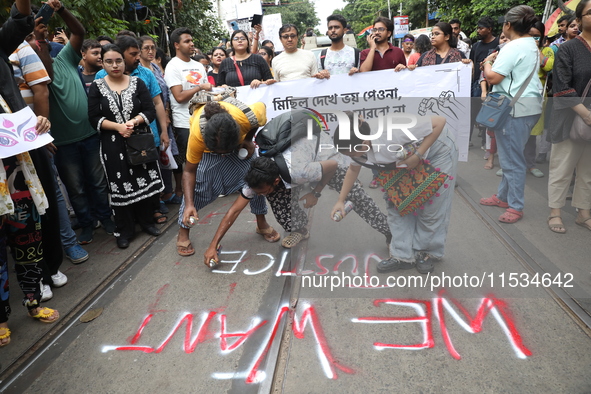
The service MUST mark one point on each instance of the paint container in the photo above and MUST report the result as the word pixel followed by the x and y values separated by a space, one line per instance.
pixel 242 154
pixel 192 221
pixel 213 262
pixel 337 217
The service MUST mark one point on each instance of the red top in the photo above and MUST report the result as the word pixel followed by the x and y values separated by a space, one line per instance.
pixel 392 57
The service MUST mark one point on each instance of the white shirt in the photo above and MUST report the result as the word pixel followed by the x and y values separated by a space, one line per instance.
pixel 298 65
pixel 187 75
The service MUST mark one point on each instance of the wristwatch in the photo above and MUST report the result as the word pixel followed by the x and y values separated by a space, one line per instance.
pixel 316 194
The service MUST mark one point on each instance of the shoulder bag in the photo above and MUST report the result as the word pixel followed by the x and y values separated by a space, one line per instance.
pixel 496 107
pixel 580 131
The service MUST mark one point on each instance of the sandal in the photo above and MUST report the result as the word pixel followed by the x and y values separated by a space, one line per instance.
pixel 557 228
pixel 493 201
pixel 269 233
pixel 159 218
pixel 511 216
pixel 44 314
pixel 583 222
pixel 4 335
pixel 489 166
pixel 293 239
pixel 174 199
pixel 185 248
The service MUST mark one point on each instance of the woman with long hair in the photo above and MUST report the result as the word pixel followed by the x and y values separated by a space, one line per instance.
pixel 507 71
pixel 244 68
pixel 117 104
pixel 218 55
pixel 267 54
pixel 571 76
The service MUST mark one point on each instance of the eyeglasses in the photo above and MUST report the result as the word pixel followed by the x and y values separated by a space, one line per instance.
pixel 110 62
pixel 588 13
pixel 240 38
pixel 149 48
pixel 289 36
pixel 379 29
pixel 263 54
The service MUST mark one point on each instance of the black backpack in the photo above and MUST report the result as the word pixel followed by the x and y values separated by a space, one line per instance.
pixel 280 132
pixel 325 50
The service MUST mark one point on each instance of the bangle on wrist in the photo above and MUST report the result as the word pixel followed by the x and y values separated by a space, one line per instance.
pixel 488 62
pixel 419 155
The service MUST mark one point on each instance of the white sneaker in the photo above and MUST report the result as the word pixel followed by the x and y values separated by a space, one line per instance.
pixel 59 279
pixel 46 293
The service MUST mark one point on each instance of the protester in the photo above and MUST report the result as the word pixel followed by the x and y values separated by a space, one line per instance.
pixel 184 78
pixel 217 57
pixel 213 166
pixel 91 62
pixel 422 44
pixel 267 54
pixel 571 76
pixel 444 48
pixel 117 104
pixel 338 58
pixel 20 210
pixel 244 68
pixel 456 26
pixel 570 32
pixel 417 240
pixel 293 63
pixel 381 55
pixel 507 70
pixel 408 44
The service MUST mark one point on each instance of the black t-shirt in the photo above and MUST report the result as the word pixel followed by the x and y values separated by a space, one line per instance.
pixel 254 67
pixel 479 52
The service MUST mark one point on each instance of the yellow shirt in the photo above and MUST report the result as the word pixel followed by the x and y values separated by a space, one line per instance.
pixel 196 145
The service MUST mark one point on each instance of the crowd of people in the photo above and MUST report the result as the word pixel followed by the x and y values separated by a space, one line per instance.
pixel 94 94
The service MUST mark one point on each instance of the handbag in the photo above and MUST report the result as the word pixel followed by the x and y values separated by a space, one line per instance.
pixel 140 147
pixel 580 131
pixel 496 107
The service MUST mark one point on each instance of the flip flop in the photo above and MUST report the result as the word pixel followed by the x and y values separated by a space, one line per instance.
pixel 494 201
pixel 185 248
pixel 269 233
pixel 557 228
pixel 511 216
pixel 489 166
pixel 44 314
pixel 5 335
pixel 583 222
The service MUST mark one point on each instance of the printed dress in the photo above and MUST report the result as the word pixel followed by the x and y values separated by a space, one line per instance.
pixel 127 184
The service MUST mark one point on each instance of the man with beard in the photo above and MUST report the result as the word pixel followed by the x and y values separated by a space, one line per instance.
pixel 480 50
pixel 339 58
pixel 293 63
pixel 456 27
pixel 91 62
pixel 562 23
pixel 381 55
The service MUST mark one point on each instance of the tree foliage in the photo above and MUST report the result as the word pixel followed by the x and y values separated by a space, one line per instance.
pixel 300 13
pixel 197 16
pixel 361 13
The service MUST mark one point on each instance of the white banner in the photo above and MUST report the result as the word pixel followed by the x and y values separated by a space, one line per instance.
pixel 18 134
pixel 435 90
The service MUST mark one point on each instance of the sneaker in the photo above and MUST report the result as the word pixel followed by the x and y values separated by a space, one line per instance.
pixel 373 184
pixel 393 264
pixel 500 172
pixel 59 279
pixel 424 263
pixel 108 225
pixel 536 172
pixel 46 293
pixel 77 254
pixel 85 236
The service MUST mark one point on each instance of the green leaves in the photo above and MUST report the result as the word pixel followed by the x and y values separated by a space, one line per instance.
pixel 302 14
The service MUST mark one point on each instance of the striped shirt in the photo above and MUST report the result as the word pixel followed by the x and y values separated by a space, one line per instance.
pixel 28 71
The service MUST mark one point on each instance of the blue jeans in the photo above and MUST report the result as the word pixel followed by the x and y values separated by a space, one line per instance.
pixel 427 231
pixel 67 235
pixel 511 140
pixel 80 169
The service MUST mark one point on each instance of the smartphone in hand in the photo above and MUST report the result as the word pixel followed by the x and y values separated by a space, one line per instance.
pixel 45 12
